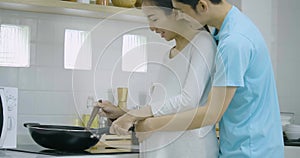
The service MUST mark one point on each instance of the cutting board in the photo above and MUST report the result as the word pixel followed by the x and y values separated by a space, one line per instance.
pixel 112 144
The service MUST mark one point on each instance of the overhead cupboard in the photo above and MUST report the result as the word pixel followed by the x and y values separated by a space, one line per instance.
pixel 66 8
pixel 75 9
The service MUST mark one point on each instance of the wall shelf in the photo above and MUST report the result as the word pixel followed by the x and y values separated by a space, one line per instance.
pixel 74 9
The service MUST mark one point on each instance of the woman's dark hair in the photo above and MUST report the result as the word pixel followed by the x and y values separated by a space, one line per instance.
pixel 166 4
pixel 193 3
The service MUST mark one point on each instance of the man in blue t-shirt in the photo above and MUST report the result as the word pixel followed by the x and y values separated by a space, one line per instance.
pixel 243 98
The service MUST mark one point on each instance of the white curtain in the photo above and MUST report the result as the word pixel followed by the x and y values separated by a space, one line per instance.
pixel 78 51
pixel 134 55
pixel 14 46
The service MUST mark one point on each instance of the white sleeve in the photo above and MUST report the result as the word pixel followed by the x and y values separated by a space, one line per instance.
pixel 197 80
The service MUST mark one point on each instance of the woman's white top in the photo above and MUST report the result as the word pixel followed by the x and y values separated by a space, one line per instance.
pixel 184 83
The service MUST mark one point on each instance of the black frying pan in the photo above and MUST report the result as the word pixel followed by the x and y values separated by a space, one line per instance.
pixel 65 137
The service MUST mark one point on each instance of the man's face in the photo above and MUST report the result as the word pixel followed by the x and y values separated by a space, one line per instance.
pixel 185 11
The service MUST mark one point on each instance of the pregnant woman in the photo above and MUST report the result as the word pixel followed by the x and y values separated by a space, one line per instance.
pixel 183 83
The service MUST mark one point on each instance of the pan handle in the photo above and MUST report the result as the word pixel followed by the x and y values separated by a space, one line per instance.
pixel 93 115
pixel 100 132
pixel 28 125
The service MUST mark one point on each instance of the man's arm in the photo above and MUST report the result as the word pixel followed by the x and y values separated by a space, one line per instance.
pixel 209 114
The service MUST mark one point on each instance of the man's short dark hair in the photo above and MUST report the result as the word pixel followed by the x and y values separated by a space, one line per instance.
pixel 193 3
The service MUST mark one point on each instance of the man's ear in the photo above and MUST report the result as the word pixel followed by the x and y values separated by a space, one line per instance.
pixel 202 6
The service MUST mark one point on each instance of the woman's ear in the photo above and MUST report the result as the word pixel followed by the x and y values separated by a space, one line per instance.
pixel 202 6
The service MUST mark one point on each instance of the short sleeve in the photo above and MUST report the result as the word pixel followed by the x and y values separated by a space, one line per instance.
pixel 232 60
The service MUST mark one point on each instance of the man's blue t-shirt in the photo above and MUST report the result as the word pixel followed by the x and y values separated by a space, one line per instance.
pixel 251 125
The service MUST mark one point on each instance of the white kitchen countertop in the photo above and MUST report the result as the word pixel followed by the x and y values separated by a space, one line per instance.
pixel 290 152
pixel 16 154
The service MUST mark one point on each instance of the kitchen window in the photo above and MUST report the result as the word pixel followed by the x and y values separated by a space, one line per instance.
pixel 134 53
pixel 14 46
pixel 77 50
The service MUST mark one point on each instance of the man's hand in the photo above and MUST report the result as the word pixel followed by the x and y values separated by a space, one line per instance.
pixel 143 129
pixel 122 125
pixel 111 111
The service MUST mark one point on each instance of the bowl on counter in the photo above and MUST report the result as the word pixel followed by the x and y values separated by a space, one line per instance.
pixel 292 131
pixel 292 128
pixel 286 119
pixel 292 135
pixel 124 3
pixel 138 3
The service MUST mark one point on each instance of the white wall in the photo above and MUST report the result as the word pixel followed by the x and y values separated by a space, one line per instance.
pixel 237 3
pixel 288 56
pixel 50 94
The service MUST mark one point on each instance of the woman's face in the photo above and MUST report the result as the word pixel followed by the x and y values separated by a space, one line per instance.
pixel 160 22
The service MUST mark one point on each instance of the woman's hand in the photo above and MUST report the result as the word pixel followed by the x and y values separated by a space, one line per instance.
pixel 111 111
pixel 122 125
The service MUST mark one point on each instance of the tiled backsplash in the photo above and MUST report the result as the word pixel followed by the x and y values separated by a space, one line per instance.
pixel 50 94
